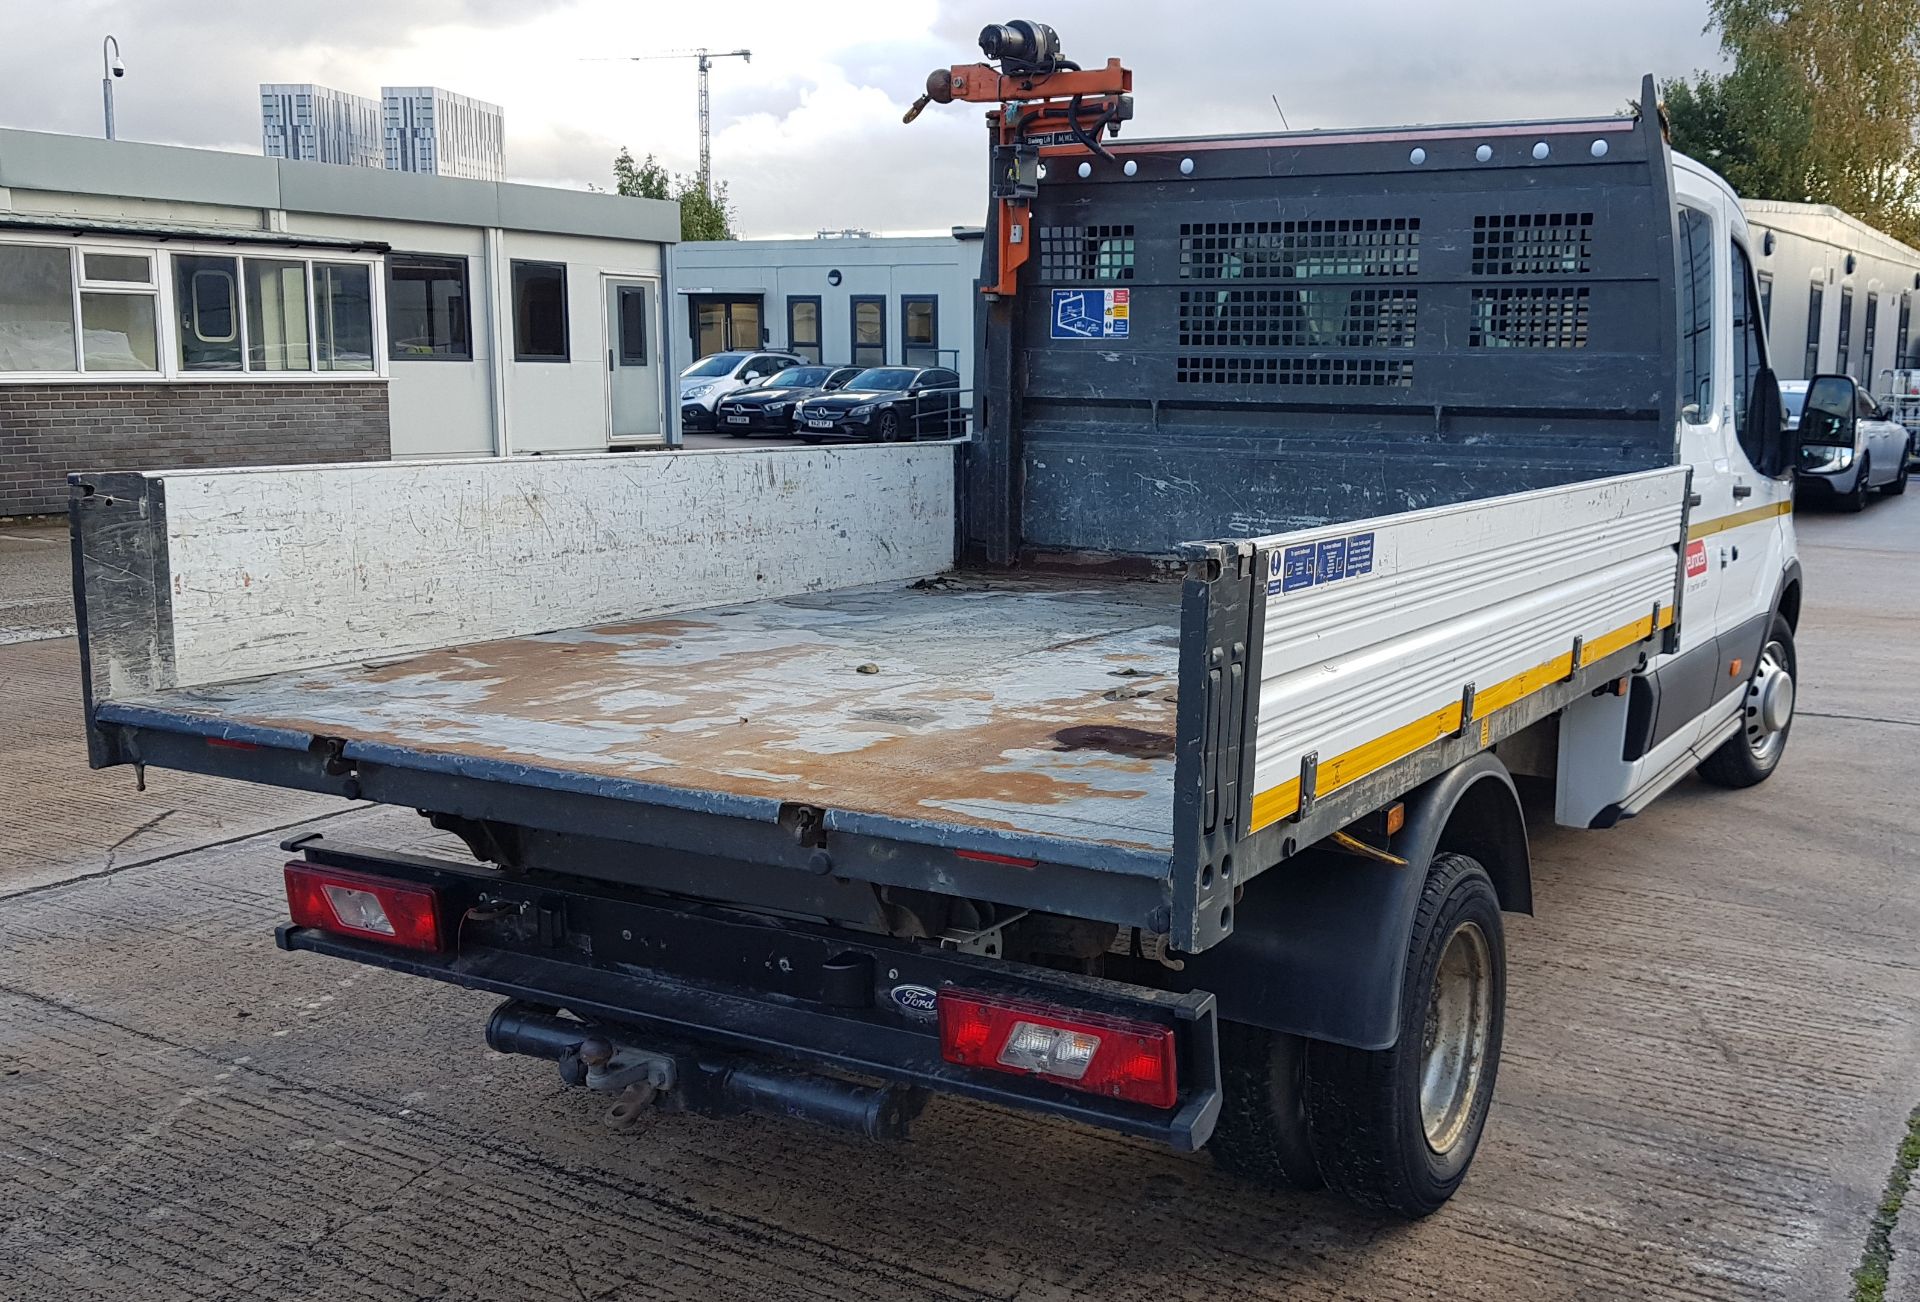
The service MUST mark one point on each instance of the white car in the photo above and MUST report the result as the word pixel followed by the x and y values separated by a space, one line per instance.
pixel 1849 441
pixel 707 381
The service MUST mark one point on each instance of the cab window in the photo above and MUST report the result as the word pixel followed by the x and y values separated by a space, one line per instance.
pixel 1696 314
pixel 1749 353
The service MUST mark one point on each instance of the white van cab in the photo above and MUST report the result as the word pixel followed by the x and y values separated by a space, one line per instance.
pixel 1722 700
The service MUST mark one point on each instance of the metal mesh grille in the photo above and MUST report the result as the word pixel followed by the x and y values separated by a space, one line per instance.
pixel 1086 253
pixel 1297 318
pixel 1300 250
pixel 1376 372
pixel 1533 244
pixel 1529 318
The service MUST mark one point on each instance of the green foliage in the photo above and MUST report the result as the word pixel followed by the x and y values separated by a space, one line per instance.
pixel 1821 106
pixel 648 180
pixel 703 216
pixel 1876 1261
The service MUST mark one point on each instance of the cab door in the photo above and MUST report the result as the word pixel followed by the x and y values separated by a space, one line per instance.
pixel 1749 544
pixel 1683 682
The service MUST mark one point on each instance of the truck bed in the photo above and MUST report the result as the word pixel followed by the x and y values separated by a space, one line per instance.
pixel 767 663
pixel 1031 705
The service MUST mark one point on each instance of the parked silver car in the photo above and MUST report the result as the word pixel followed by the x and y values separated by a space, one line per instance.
pixel 1849 441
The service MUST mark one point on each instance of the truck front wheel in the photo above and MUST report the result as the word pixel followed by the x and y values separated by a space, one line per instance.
pixel 1750 756
pixel 1395 1129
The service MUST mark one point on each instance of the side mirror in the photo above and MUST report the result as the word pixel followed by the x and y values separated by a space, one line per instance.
pixel 1767 414
pixel 1832 412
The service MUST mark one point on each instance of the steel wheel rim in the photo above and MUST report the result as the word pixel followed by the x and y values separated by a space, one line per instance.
pixel 1453 1051
pixel 1770 675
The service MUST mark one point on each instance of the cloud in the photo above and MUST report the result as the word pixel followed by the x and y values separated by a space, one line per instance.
pixel 808 134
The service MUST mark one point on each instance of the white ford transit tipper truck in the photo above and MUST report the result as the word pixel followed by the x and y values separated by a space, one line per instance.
pixel 1150 759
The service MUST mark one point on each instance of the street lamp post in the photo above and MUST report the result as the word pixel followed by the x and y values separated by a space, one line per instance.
pixel 110 68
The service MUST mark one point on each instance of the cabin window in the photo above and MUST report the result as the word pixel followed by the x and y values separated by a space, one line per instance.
pixel 1696 315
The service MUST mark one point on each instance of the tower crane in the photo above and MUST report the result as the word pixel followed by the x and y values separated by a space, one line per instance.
pixel 706 58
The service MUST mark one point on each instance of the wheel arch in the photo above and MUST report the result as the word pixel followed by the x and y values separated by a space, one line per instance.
pixel 1787 604
pixel 1319 948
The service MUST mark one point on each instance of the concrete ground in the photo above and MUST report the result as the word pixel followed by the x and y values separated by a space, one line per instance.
pixel 1711 1053
pixel 36 579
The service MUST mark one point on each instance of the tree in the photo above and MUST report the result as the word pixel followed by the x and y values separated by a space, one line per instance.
pixel 648 180
pixel 703 216
pixel 1821 106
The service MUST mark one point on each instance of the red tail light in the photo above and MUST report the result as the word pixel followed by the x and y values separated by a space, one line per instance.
pixel 359 904
pixel 1084 1051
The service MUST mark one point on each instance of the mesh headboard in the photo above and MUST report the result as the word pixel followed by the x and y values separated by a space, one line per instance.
pixel 1249 335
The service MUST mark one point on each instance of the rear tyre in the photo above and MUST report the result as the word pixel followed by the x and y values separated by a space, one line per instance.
pixel 1262 1131
pixel 1856 501
pixel 1395 1129
pixel 1899 484
pixel 1750 756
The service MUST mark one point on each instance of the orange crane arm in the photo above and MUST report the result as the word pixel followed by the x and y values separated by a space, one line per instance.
pixel 1051 113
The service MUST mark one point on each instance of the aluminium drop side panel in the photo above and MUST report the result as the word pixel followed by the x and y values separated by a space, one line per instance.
pixel 1310 329
pixel 195 577
pixel 1381 652
pixel 122 594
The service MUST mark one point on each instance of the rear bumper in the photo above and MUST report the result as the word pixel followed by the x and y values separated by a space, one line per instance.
pixel 818 997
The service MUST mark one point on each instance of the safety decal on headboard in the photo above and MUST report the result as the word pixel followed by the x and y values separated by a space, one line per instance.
pixel 1091 313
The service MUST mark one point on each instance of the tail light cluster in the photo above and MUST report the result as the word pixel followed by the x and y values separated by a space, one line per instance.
pixel 1113 1056
pixel 359 904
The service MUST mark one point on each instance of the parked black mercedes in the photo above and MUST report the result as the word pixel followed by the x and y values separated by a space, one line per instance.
pixel 886 404
pixel 768 407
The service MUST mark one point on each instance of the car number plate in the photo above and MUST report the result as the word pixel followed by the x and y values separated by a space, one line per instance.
pixel 819 424
pixel 736 420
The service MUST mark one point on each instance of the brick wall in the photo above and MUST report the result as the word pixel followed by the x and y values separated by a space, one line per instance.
pixel 48 430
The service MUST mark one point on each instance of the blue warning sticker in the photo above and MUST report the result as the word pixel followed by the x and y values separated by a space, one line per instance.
pixel 1296 569
pixel 1091 313
pixel 1360 554
pixel 1332 561
pixel 1307 565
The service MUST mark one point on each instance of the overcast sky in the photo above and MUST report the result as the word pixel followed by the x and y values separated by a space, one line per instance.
pixel 808 134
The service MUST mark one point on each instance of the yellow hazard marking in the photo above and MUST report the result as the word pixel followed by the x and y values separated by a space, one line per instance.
pixel 1752 515
pixel 1276 803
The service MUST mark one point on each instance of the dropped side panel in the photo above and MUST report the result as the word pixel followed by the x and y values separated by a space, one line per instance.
pixel 294 567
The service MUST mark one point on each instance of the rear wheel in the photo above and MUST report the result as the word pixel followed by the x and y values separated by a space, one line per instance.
pixel 1262 1131
pixel 1395 1129
pixel 1750 756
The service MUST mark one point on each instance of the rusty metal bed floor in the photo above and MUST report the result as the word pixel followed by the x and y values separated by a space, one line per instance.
pixel 1039 706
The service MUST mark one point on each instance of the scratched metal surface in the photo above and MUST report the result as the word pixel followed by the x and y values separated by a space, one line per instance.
pixel 1034 705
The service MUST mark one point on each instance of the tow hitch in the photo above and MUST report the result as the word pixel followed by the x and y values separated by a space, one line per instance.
pixel 690 1078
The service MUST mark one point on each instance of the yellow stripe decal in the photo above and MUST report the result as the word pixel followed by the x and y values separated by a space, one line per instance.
pixel 1276 803
pixel 1752 515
